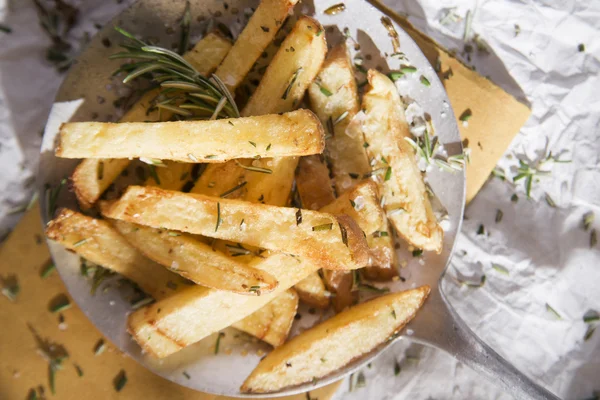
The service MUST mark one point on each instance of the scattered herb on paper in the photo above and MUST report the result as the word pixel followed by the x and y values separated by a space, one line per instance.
pixel 593 238
pixel 120 381
pixel 530 170
pixel 397 368
pixel 500 269
pixel 552 311
pixel 588 220
pixel 218 342
pixel 100 347
pixel 591 316
pixel 499 216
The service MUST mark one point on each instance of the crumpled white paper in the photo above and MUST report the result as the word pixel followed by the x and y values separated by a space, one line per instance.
pixel 544 249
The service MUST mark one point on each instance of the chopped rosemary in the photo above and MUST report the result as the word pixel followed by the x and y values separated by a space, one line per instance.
pixel 408 69
pixel 322 227
pixel 291 84
pixel 344 234
pixel 425 81
pixel 99 347
pixel 593 238
pixel 427 148
pixel 254 169
pixel 218 342
pixel 52 197
pixel 394 313
pixel 581 47
pixel 265 29
pixel 549 200
pixel 184 39
pixel 48 270
pixel 10 287
pixel 473 284
pixel 591 316
pixel 500 269
pixel 529 171
pixel 153 161
pixel 466 115
pixel 397 368
pixel 219 220
pixel 78 370
pixel 299 217
pixel 361 381
pixel 353 175
pixel 324 90
pixel 417 252
pixel 233 189
pixel 552 311
pixel 499 216
pixel 588 220
pixel 353 204
pixel 499 173
pixel 335 9
pixel 80 242
pixel 186 375
pixel 365 287
pixel 380 234
pixel 174 234
pixel 395 75
pixel 588 334
pixel 237 250
pixel 481 230
pixel 144 301
pixel 514 198
pixel 154 174
pixel 268 147
pixel 5 28
pixel 61 305
pixel 252 143
pixel 388 174
pixel 120 381
pixel 255 289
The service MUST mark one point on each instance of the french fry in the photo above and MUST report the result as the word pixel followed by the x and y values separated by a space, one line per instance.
pixel 313 183
pixel 97 241
pixel 93 176
pixel 312 291
pixel 195 260
pixel 334 98
pixel 189 316
pixel 254 39
pixel 272 322
pixel 332 242
pixel 309 52
pixel 175 176
pixel 292 134
pixel 404 195
pixel 325 348
pixel 341 285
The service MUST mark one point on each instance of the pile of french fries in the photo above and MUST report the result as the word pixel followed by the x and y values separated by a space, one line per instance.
pixel 251 256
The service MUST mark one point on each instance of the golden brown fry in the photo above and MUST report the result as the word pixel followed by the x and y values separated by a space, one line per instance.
pixel 93 176
pixel 334 95
pixel 97 241
pixel 272 322
pixel 268 98
pixel 189 316
pixel 313 183
pixel 254 39
pixel 174 176
pixel 312 291
pixel 291 134
pixel 332 242
pixel 195 260
pixel 334 98
pixel 404 196
pixel 341 285
pixel 336 342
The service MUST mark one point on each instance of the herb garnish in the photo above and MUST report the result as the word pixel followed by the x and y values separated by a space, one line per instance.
pixel 471 283
pixel 335 9
pixel 324 90
pixel 417 252
pixel 10 287
pixel 481 230
pixel 499 173
pixel 61 304
pixel 593 238
pixel 5 28
pixel 466 115
pixel 344 233
pixel 254 169
pixel 427 147
pixel 196 95
pixel 377 234
pixel 48 270
pixel 233 189
pixel 154 174
pixel 184 39
pixel 78 370
pixel 500 269
pixel 99 347
pixel 237 250
pixel 365 287
pixel 322 227
pixel 291 84
pixel 219 220
pixel 388 174
pixel 514 198
pixel 549 200
pixel 255 289
pixel 588 220
pixel 186 375
pixel 218 342
pixel 531 170
pixel 299 217
pixel 397 368
pixel 591 316
pixel 52 197
pixel 120 381
pixel 252 143
pixel 361 381
pixel 80 242
pixel 100 171
pixel 553 311
pixel 425 81
pixel 499 216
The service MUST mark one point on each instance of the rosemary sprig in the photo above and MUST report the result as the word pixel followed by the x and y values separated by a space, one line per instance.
pixel 184 91
pixel 427 148
pixel 254 169
pixel 531 170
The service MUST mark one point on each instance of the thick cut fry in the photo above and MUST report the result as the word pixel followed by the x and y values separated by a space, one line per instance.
pixel 189 316
pixel 97 241
pixel 309 52
pixel 335 342
pixel 93 176
pixel 312 291
pixel 109 249
pixel 314 185
pixel 333 95
pixel 292 134
pixel 334 98
pixel 272 322
pixel 254 39
pixel 195 260
pixel 332 242
pixel 405 197
pixel 174 176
